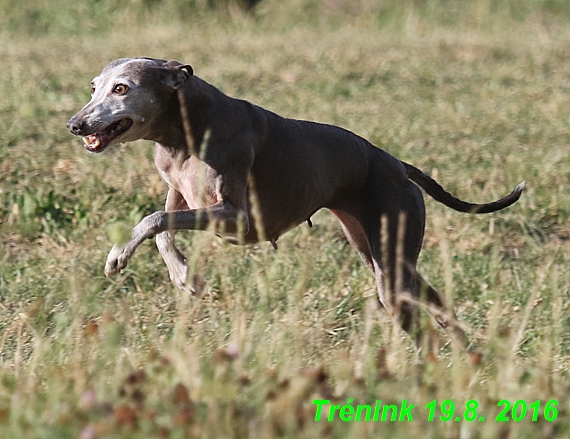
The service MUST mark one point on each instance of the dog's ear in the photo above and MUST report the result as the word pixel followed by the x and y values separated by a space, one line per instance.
pixel 177 73
pixel 172 73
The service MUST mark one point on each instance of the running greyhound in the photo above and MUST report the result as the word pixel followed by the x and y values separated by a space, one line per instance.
pixel 251 175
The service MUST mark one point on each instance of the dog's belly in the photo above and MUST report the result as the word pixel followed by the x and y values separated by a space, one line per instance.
pixel 273 213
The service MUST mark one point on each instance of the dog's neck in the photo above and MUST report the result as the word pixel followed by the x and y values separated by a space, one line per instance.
pixel 180 129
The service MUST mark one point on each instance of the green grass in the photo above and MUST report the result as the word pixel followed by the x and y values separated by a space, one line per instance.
pixel 477 95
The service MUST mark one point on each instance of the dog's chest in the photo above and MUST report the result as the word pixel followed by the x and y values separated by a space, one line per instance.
pixel 193 178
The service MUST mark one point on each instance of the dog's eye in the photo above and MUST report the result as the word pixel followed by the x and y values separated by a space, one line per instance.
pixel 120 89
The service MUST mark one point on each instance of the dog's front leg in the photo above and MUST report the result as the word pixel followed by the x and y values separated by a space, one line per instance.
pixel 175 261
pixel 118 257
pixel 176 264
pixel 228 218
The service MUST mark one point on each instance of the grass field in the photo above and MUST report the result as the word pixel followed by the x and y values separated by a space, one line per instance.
pixel 478 96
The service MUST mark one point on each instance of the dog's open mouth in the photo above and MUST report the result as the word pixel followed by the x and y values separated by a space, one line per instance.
pixel 97 142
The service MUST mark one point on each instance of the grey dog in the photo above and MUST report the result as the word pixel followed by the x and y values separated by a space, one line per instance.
pixel 251 175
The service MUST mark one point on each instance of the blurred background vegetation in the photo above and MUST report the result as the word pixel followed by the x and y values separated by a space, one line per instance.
pixel 65 17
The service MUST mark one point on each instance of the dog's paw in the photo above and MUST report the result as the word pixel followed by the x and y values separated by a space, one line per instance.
pixel 179 276
pixel 178 271
pixel 175 261
pixel 117 260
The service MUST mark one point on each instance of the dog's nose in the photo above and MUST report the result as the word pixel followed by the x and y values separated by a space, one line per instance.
pixel 76 126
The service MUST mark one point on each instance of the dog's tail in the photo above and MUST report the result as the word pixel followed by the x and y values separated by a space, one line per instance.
pixel 438 193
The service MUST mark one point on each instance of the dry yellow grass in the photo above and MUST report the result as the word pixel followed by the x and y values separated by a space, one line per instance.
pixel 480 105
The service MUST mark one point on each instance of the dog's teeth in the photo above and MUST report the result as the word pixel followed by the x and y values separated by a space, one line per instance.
pixel 96 143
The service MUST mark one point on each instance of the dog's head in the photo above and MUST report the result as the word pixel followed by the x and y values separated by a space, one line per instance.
pixel 125 99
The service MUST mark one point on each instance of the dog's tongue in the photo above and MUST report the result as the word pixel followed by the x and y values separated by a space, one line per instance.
pixel 92 141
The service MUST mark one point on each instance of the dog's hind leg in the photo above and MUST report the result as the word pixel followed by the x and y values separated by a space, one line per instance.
pixel 394 228
pixel 355 235
pixel 366 241
pixel 444 315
